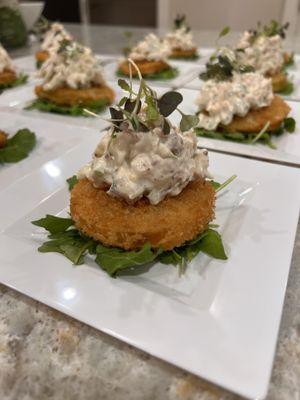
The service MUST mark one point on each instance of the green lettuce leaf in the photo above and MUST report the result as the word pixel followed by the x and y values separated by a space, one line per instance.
pixel 18 147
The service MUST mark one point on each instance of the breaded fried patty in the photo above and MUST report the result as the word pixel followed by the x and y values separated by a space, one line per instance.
pixel 255 120
pixel 3 139
pixel 7 76
pixel 145 66
pixel 279 81
pixel 69 97
pixel 180 53
pixel 41 55
pixel 168 224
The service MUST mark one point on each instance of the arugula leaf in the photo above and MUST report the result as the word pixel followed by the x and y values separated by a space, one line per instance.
pixel 166 74
pixel 21 80
pixel 72 182
pixel 75 111
pixel 168 102
pixel 113 260
pixel 289 124
pixel 287 90
pixel 18 147
pixel 54 224
pixel 71 243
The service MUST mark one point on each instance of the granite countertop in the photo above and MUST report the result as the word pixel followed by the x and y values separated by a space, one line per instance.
pixel 47 355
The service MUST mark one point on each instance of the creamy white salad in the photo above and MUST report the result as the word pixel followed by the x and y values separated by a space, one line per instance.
pixel 220 101
pixel 152 48
pixel 53 37
pixel 5 61
pixel 264 53
pixel 180 39
pixel 75 66
pixel 151 164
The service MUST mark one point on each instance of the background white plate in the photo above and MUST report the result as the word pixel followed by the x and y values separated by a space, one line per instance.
pixel 52 139
pixel 227 334
pixel 288 145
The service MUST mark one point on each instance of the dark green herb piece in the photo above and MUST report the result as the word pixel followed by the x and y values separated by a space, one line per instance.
pixel 18 147
pixel 224 32
pixel 21 80
pixel 72 182
pixel 271 29
pixel 221 68
pixel 169 102
pixel 289 124
pixel 75 111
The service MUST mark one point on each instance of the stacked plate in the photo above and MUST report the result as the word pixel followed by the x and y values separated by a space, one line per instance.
pixel 219 320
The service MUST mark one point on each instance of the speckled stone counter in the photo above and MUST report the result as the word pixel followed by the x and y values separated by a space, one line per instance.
pixel 47 355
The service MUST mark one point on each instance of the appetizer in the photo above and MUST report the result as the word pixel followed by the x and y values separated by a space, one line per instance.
pixel 73 81
pixel 239 105
pixel 17 147
pixel 51 42
pixel 8 75
pixel 263 50
pixel 150 55
pixel 181 41
pixel 146 195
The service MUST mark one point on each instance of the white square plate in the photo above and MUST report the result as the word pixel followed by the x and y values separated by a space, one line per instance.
pixel 219 321
pixel 288 144
pixel 52 140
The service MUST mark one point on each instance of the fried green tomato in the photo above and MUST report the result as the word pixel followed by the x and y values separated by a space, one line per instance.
pixel 145 66
pixel 7 76
pixel 41 56
pixel 180 53
pixel 66 96
pixel 3 139
pixel 255 120
pixel 166 225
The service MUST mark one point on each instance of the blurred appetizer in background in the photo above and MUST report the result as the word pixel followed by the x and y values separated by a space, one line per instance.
pixel 8 75
pixel 150 55
pixel 16 148
pixel 144 174
pixel 263 50
pixel 51 43
pixel 72 81
pixel 236 103
pixel 181 41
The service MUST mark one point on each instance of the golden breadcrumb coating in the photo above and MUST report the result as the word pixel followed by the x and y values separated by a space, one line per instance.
pixel 166 225
pixel 3 139
pixel 180 53
pixel 69 97
pixel 42 55
pixel 255 120
pixel 7 76
pixel 145 66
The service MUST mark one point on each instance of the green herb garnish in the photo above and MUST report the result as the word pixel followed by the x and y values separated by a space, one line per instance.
pixel 72 182
pixel 221 68
pixel 75 111
pixel 166 74
pixel 291 61
pixel 18 147
pixel 21 80
pixel 271 29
